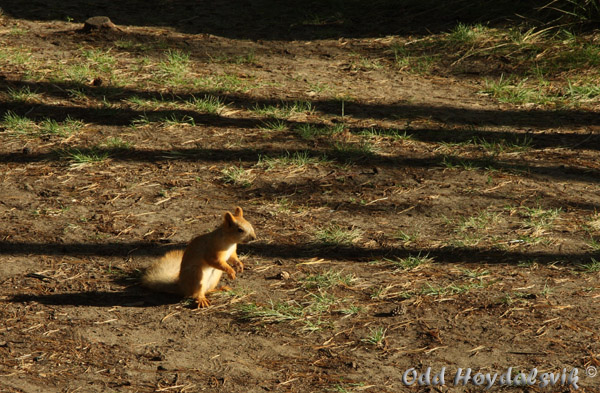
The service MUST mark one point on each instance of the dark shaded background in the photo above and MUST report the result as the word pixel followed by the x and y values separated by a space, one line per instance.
pixel 287 20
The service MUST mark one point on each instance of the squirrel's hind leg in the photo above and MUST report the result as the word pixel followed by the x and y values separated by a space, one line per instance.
pixel 207 283
pixel 202 302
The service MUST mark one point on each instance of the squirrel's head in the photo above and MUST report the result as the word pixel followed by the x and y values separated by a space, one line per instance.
pixel 238 227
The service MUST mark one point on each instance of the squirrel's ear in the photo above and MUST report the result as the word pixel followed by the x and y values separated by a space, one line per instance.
pixel 239 212
pixel 229 219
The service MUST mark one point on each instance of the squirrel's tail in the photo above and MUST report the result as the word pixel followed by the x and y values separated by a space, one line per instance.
pixel 163 274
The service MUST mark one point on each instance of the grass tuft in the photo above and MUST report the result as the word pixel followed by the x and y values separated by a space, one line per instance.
pixel 337 235
pixel 86 156
pixel 208 104
pixel 17 124
pixel 237 175
pixel 411 262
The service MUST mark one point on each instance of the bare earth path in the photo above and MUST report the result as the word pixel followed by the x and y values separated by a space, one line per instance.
pixel 405 219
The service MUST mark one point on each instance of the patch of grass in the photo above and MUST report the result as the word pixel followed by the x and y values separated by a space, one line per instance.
pixel 321 302
pixel 591 267
pixel 50 126
pixel 573 13
pixel 411 262
pixel 140 102
pixel 17 31
pixel 472 230
pixel 375 337
pixel 269 110
pixel 383 293
pixel 509 90
pixel 528 263
pixel 539 219
pixel 452 162
pixel 594 244
pixel 23 125
pixel 385 133
pixel 125 44
pixel 141 121
pixel 319 87
pixel 364 63
pixel 406 237
pixel 310 131
pixel 423 65
pixel 416 63
pixel 208 104
pixel 537 61
pixel 175 120
pixel 23 94
pixel 593 222
pixel 516 297
pixel 475 273
pixel 237 175
pixel 117 143
pixel 579 56
pixel 100 59
pixel 337 235
pixel 156 103
pixel 174 63
pixel 284 110
pixel 283 205
pixel 17 124
pixel 77 94
pixel 401 55
pixel 67 127
pixel 351 310
pixel 547 290
pixel 274 125
pixel 174 70
pixel 582 92
pixel 494 147
pixel 86 156
pixel 328 279
pixel 297 159
pixel 80 73
pixel 273 312
pixel 353 151
pixel 15 56
pixel 226 83
pixel 483 220
pixel 310 316
pixel 463 34
pixel 452 289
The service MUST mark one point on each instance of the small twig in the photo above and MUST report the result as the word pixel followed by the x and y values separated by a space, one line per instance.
pixel 376 200
pixel 163 201
pixel 288 381
pixel 107 321
pixel 407 209
pixel 169 316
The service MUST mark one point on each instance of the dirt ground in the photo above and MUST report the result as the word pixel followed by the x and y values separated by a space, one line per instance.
pixel 430 227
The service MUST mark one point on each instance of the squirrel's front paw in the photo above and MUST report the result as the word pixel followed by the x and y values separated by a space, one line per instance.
pixel 239 266
pixel 231 274
pixel 203 302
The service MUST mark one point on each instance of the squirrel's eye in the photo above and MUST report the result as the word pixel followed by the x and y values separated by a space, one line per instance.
pixel 240 230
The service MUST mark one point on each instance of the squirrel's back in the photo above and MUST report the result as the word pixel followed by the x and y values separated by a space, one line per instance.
pixel 163 275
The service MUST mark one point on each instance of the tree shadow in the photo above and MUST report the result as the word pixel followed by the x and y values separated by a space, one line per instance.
pixel 283 20
pixel 252 156
pixel 471 117
pixel 137 296
pixel 353 253
pixel 130 297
